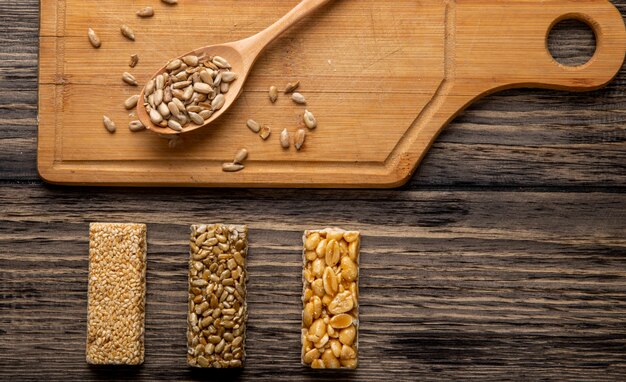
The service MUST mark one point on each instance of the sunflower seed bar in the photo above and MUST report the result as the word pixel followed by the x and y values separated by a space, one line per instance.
pixel 217 296
pixel 330 318
pixel 116 294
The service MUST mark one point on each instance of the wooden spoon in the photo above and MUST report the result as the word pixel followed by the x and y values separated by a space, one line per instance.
pixel 241 55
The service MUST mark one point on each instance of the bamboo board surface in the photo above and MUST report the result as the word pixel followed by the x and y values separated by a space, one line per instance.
pixel 382 78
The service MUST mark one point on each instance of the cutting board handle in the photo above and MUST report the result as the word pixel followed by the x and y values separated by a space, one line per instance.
pixel 505 46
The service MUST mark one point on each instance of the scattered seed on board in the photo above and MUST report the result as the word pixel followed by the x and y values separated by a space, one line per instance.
pixel 93 38
pixel 136 126
pixel 298 98
pixel 170 2
pixel 300 137
pixel 273 93
pixel 232 167
pixel 146 12
pixel 131 102
pixel 292 87
pixel 134 60
pixel 109 124
pixel 241 156
pixel 129 79
pixel 284 139
pixel 253 125
pixel 127 32
pixel 309 120
pixel 265 132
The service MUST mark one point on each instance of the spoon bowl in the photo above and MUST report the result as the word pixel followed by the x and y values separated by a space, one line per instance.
pixel 241 55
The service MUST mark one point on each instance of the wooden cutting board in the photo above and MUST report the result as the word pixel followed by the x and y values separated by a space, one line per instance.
pixel 383 79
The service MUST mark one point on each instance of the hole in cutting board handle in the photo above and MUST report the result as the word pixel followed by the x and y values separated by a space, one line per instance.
pixel 572 41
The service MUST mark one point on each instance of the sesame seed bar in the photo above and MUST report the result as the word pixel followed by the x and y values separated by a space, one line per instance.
pixel 116 294
pixel 330 316
pixel 217 296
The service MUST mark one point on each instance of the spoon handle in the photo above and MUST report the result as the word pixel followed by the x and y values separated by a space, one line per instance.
pixel 262 39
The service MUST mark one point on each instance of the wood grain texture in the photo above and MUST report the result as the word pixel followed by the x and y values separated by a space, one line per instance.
pixel 502 258
pixel 371 75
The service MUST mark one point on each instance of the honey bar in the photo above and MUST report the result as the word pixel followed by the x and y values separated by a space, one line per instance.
pixel 330 317
pixel 116 294
pixel 217 296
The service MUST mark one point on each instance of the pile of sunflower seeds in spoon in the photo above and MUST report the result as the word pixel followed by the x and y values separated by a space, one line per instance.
pixel 189 91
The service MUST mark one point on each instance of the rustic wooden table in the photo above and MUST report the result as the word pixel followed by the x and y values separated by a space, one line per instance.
pixel 503 258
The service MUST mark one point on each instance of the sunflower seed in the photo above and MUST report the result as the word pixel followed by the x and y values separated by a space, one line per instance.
pixel 167 95
pixel 93 38
pixel 265 132
pixel 182 76
pixel 179 104
pixel 188 93
pixel 253 125
pixel 181 84
pixel 174 125
pixel 136 126
pixel 232 167
pixel 300 137
pixel 224 87
pixel 298 98
pixel 129 79
pixel 182 119
pixel 218 102
pixel 203 88
pixel 155 117
pixel 127 32
pixel 158 97
pixel 292 87
pixel 309 120
pixel 206 114
pixel 241 156
pixel 221 62
pixel 196 118
pixel 191 60
pixel 173 65
pixel 131 102
pixel 206 77
pixel 273 93
pixel 173 108
pixel 109 124
pixel 229 76
pixel 160 82
pixel 146 12
pixel 178 94
pixel 163 110
pixel 134 60
pixel 284 139
pixel 217 80
pixel 149 88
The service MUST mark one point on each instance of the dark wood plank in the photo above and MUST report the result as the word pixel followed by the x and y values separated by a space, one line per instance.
pixel 454 284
